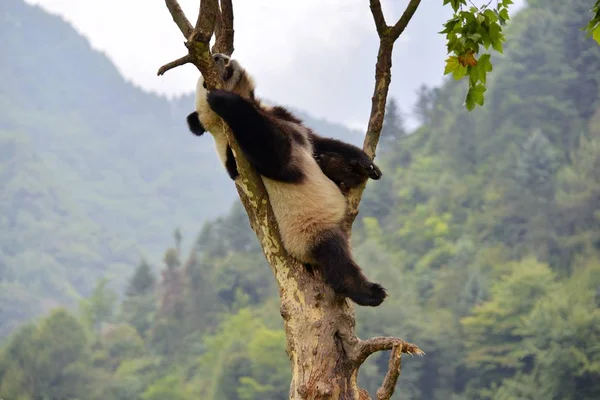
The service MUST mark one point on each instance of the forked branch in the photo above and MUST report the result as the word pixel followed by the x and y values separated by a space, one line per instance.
pixel 224 31
pixel 198 38
pixel 407 15
pixel 383 77
pixel 378 17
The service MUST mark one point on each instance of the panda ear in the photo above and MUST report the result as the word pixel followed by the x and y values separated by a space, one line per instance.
pixel 194 124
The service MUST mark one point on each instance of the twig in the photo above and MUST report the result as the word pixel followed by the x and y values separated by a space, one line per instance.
pixel 405 18
pixel 378 17
pixel 176 63
pixel 388 386
pixel 179 17
pixel 224 31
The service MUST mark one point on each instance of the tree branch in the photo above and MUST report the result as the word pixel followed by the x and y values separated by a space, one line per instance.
pixel 383 78
pixel 364 348
pixel 388 386
pixel 207 17
pixel 224 31
pixel 173 64
pixel 179 17
pixel 404 19
pixel 378 17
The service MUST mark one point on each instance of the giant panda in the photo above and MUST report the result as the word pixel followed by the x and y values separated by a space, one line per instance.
pixel 345 164
pixel 308 206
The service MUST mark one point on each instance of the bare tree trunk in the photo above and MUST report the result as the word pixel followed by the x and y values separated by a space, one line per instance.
pixel 324 350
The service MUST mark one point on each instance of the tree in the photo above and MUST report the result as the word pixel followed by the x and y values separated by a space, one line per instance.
pixel 393 126
pixel 142 282
pixel 47 361
pixel 100 306
pixel 536 167
pixel 140 303
pixel 327 355
pixel 325 352
pixel 178 237
pixel 423 108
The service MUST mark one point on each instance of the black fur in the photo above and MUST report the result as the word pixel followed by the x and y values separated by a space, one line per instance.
pixel 341 272
pixel 340 171
pixel 230 164
pixel 344 163
pixel 194 124
pixel 262 140
pixel 283 113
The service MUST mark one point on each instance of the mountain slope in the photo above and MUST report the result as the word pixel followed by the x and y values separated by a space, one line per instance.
pixel 95 172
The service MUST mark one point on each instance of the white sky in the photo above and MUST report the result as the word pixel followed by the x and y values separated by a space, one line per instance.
pixel 317 55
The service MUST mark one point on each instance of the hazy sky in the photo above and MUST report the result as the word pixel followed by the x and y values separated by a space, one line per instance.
pixel 317 55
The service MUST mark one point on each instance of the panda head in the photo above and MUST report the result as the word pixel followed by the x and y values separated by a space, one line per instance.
pixel 235 78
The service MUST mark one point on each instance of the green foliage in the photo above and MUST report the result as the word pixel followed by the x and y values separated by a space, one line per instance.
pixel 142 282
pixel 393 130
pixel 466 32
pixel 469 30
pixel 46 361
pixel 593 27
pixel 100 306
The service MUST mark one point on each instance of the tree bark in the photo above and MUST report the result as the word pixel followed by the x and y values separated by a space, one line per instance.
pixel 322 345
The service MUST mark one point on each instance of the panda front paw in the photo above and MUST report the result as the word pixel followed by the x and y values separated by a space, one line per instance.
pixel 369 167
pixel 225 103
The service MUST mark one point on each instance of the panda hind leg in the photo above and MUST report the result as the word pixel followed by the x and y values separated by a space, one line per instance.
pixel 340 271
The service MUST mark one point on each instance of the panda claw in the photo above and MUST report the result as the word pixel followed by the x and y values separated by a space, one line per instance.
pixel 370 168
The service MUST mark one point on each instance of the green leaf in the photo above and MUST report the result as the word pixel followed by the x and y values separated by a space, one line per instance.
pixel 469 101
pixel 474 37
pixel 596 34
pixel 478 94
pixel 459 72
pixel 451 64
pixel 485 63
pixel 491 16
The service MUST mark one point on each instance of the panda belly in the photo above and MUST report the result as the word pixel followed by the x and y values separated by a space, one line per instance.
pixel 305 211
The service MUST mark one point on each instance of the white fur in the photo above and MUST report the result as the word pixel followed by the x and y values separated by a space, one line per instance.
pixel 304 211
pixel 211 121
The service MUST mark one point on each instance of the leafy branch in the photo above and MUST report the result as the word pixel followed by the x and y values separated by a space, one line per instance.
pixel 467 31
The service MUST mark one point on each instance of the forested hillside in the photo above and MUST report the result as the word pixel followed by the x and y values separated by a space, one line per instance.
pixel 485 229
pixel 94 171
